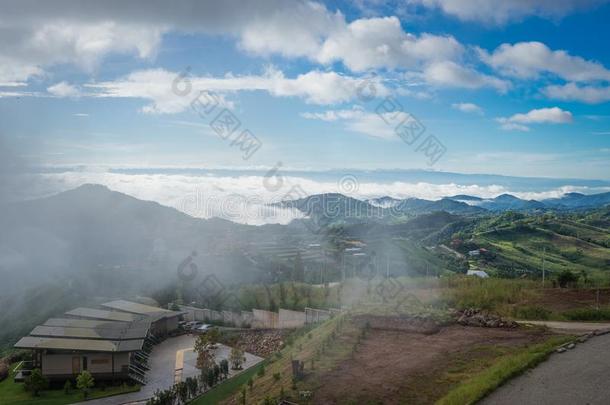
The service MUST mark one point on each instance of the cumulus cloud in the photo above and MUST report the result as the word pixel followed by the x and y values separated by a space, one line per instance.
pixel 528 60
pixel 467 108
pixel 519 122
pixel 501 12
pixel 381 42
pixel 450 74
pixel 36 36
pixel 156 85
pixel 574 92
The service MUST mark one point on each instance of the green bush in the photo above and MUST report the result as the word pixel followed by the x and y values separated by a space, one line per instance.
pixel 3 370
pixel 587 314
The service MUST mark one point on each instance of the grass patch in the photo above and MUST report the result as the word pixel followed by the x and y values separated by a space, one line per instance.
pixel 12 393
pixel 587 314
pixel 493 294
pixel 229 387
pixel 533 312
pixel 507 367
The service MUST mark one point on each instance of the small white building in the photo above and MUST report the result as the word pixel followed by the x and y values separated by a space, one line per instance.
pixel 477 273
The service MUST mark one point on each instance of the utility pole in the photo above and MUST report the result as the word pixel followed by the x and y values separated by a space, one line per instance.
pixel 543 269
pixel 387 264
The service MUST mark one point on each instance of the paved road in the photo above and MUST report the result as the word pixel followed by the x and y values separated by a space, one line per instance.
pixel 165 358
pixel 578 376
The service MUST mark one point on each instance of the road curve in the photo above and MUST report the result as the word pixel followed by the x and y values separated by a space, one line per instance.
pixel 578 376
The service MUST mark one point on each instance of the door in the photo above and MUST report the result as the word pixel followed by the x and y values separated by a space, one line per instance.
pixel 76 365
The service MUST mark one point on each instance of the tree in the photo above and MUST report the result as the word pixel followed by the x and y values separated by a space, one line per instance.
pixel 224 367
pixel 205 355
pixel 192 385
pixel 565 278
pixel 36 382
pixel 236 358
pixel 182 390
pixel 85 382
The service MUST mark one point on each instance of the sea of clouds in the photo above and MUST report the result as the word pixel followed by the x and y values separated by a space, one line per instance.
pixel 246 198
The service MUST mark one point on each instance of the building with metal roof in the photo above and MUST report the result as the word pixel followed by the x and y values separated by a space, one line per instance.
pixel 111 342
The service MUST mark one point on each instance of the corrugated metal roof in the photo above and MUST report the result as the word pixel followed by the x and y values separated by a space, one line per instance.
pixel 92 323
pixel 135 308
pixel 83 345
pixel 153 313
pixel 103 314
pixel 90 333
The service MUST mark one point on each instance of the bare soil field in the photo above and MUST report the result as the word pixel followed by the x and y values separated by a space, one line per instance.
pixel 393 367
pixel 563 299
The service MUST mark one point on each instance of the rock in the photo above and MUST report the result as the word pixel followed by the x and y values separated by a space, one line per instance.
pixel 561 350
pixel 571 346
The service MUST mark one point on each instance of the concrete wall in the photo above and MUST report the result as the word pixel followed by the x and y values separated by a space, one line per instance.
pixel 264 319
pixel 313 315
pixel 247 318
pixel 290 319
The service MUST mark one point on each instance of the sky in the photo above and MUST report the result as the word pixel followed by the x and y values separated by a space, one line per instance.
pixel 518 88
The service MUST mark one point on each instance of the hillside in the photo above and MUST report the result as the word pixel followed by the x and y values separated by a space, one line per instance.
pixel 517 244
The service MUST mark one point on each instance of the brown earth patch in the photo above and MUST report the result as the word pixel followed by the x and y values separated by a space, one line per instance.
pixel 563 299
pixel 392 367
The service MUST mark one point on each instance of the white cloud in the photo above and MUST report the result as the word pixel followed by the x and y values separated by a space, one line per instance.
pixel 450 74
pixel 242 197
pixel 527 60
pixel 81 115
pixel 314 87
pixel 63 89
pixel 467 108
pixel 502 11
pixel 381 42
pixel 37 36
pixel 574 92
pixel 363 122
pixel 519 122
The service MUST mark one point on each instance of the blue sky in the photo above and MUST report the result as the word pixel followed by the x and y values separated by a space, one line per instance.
pixel 518 88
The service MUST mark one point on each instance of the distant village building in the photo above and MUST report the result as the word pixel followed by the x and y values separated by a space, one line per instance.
pixel 111 342
pixel 477 273
pixel 473 253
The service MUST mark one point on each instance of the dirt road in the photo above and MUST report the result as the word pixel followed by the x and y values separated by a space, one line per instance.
pixel 575 328
pixel 578 376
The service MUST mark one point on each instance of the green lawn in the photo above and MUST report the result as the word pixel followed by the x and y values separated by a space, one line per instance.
pixel 12 393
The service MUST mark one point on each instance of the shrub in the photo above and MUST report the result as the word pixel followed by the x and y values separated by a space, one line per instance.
pixel 565 278
pixel 277 376
pixel 261 371
pixel 587 314
pixel 3 370
pixel 67 387
pixel 36 382
pixel 85 382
